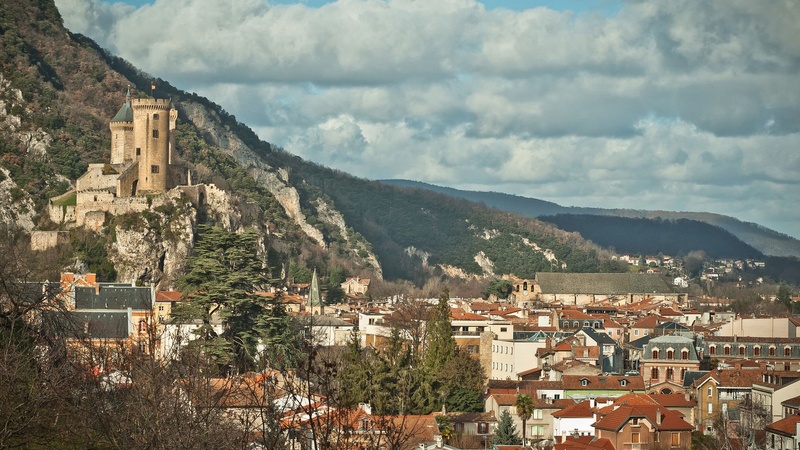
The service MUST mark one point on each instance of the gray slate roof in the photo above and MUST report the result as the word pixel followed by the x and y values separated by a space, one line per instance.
pixel 125 113
pixel 113 297
pixel 601 283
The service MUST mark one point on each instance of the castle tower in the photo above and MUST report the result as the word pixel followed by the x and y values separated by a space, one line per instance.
pixel 151 142
pixel 122 133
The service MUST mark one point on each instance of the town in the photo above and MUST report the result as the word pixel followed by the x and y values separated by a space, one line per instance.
pixel 572 361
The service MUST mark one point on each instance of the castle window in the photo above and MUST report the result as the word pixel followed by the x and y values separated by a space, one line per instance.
pixel 138 151
pixel 155 133
pixel 155 116
pixel 154 169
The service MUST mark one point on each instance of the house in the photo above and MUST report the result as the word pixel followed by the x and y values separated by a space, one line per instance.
pixel 783 434
pixel 473 428
pixel 579 387
pixel 782 353
pixel 355 286
pixel 719 393
pixel 665 361
pixel 574 420
pixel 642 426
pixel 609 355
pixel 767 396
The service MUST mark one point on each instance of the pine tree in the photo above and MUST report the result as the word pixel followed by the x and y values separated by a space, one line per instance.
pixel 506 432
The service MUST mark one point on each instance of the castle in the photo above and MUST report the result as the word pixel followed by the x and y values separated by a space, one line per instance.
pixel 142 144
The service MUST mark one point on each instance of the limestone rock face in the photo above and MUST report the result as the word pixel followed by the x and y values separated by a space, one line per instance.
pixel 358 247
pixel 14 210
pixel 156 252
pixel 276 181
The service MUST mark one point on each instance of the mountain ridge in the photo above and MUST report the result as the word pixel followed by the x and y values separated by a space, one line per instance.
pixel 763 239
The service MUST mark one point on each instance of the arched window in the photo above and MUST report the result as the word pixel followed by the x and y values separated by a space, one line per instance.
pixel 142 326
pixel 727 350
pixel 670 354
pixel 712 350
pixel 756 351
pixel 787 351
pixel 772 351
pixel 654 373
pixel 742 350
pixel 684 354
pixel 655 353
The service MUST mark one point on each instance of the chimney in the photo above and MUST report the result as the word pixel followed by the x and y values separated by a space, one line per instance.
pixel 658 417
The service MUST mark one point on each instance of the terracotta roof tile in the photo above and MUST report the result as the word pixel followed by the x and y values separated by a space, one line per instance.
pixel 787 426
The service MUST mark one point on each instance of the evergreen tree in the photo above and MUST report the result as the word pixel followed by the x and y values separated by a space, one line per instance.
pixel 463 380
pixel 506 432
pixel 222 279
pixel 441 346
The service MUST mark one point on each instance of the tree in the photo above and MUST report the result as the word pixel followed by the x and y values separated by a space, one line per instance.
pixel 441 346
pixel 499 288
pixel 784 296
pixel 506 432
pixel 222 279
pixel 463 381
pixel 524 406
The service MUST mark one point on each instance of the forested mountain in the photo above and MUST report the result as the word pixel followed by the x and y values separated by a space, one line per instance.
pixel 762 239
pixel 59 91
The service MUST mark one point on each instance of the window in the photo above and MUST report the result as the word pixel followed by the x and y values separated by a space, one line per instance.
pixel 138 151
pixel 654 373
pixel 635 422
pixel 160 307
pixel 727 350
pixel 154 169
pixel 711 408
pixel 710 392
pixel 787 351
pixel 155 116
pixel 635 439
pixel 684 354
pixel 503 329
pixel 712 350
pixel 670 354
pixel 669 373
pixel 483 428
pixel 142 326
pixel 155 133
pixel 756 351
pixel 635 332
pixel 537 414
pixel 623 382
pixel 537 431
pixel 742 350
pixel 477 348
pixel 772 351
pixel 676 439
pixel 584 382
pixel 655 353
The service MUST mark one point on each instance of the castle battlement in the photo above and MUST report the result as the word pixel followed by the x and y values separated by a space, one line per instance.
pixel 154 104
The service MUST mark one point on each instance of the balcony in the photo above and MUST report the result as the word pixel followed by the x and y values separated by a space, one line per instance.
pixel 466 333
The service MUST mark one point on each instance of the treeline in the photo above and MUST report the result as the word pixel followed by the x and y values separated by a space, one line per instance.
pixel 653 236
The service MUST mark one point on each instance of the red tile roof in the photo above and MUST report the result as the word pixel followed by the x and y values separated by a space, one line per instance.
pixel 582 409
pixel 787 426
pixel 168 296
pixel 670 420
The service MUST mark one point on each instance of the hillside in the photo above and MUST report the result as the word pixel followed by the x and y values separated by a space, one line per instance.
pixel 764 240
pixel 59 91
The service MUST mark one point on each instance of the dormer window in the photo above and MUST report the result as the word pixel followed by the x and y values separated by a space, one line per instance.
pixel 584 382
pixel 623 382
pixel 655 353
pixel 684 354
pixel 670 354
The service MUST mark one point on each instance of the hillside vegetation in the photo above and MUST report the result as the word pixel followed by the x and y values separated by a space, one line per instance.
pixel 69 88
pixel 762 239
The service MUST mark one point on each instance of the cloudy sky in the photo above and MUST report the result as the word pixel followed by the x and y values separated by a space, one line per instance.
pixel 679 105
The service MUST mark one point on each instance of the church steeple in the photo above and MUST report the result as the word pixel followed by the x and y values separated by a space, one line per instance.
pixel 314 297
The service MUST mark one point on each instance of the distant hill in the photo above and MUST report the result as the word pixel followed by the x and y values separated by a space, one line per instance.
pixel 762 239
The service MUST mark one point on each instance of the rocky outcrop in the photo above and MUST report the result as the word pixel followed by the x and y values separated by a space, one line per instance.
pixel 16 207
pixel 276 181
pixel 357 247
pixel 485 263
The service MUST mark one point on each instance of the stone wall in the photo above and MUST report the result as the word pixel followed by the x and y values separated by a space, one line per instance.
pixel 42 240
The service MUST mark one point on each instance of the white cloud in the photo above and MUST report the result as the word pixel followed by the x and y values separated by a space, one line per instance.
pixel 677 105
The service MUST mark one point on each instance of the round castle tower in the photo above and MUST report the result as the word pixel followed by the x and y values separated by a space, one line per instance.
pixel 122 133
pixel 151 136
